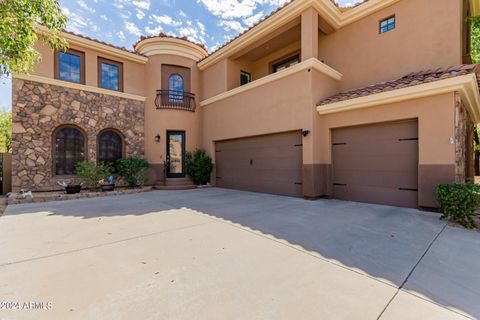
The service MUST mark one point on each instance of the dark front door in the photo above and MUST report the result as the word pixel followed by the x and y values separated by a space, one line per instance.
pixel 175 154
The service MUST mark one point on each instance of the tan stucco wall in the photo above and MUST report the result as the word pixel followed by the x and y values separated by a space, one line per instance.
pixel 428 35
pixel 257 111
pixel 436 121
pixel 159 121
pixel 133 72
pixel 214 79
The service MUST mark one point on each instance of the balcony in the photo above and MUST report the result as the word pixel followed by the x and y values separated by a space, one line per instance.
pixel 179 100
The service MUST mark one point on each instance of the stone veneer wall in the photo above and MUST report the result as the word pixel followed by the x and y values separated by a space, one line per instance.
pixel 38 109
pixel 464 127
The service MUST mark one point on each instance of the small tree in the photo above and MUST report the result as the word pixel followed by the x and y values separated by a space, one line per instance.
pixel 133 171
pixel 5 131
pixel 199 166
pixel 19 20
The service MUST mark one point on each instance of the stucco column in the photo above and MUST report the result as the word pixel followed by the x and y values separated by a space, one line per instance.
pixel 309 34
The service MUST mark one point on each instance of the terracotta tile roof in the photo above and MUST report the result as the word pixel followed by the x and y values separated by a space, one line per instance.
pixel 101 42
pixel 409 80
pixel 164 35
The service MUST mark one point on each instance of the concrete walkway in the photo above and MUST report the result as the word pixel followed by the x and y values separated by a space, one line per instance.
pixel 224 254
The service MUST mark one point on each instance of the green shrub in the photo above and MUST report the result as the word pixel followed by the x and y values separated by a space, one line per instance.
pixel 198 166
pixel 458 202
pixel 92 172
pixel 133 170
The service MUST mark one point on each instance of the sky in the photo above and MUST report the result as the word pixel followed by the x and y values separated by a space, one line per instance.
pixel 122 22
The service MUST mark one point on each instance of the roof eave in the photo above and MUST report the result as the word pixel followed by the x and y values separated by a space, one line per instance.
pixel 465 85
pixel 98 46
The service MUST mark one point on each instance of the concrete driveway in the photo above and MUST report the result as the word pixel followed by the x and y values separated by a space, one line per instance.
pixel 224 254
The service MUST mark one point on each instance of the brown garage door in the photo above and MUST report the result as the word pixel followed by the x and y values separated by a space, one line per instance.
pixel 377 163
pixel 269 164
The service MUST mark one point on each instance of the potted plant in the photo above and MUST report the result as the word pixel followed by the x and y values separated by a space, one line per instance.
pixel 73 186
pixel 107 184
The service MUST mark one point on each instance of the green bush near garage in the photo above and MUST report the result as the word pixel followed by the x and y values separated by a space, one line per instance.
pixel 133 170
pixel 198 166
pixel 458 202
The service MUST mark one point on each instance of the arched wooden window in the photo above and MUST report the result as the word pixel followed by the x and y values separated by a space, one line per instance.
pixel 69 150
pixel 176 87
pixel 110 147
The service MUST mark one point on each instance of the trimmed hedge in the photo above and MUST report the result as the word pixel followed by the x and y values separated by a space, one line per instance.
pixel 459 202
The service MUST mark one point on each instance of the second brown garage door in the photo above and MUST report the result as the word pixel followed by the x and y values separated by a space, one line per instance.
pixel 269 164
pixel 377 163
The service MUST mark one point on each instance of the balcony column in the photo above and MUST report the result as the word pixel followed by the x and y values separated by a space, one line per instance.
pixel 309 34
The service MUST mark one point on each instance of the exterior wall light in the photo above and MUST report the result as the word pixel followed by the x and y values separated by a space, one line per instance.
pixel 305 133
pixel 157 138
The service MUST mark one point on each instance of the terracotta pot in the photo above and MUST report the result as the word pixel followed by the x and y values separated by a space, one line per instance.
pixel 107 187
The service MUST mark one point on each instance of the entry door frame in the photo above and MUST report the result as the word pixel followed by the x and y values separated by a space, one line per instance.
pixel 175 175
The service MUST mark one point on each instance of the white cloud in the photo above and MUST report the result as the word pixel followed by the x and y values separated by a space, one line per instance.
pixel 153 31
pixel 85 6
pixel 132 28
pixel 229 25
pixel 250 21
pixel 228 9
pixel 140 15
pixel 166 20
pixel 121 35
pixel 144 4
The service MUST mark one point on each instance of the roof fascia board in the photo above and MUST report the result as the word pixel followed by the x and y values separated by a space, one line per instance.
pixel 94 45
pixel 465 85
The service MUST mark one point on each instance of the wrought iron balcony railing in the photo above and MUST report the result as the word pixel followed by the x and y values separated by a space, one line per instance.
pixel 169 99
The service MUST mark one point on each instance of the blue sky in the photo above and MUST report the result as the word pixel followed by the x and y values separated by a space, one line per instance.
pixel 122 22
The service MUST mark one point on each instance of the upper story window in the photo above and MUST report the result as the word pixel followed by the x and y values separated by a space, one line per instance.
pixel 286 63
pixel 176 87
pixel 70 66
pixel 387 24
pixel 110 74
pixel 245 77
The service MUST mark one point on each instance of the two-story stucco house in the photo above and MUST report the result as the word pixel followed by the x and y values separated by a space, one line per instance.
pixel 374 103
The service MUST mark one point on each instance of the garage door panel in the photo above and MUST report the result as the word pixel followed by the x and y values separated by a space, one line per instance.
pixel 387 179
pixel 377 195
pixel 403 163
pixel 377 163
pixel 378 132
pixel 270 164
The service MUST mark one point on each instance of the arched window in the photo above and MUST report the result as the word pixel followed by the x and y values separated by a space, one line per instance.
pixel 176 87
pixel 69 150
pixel 110 147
